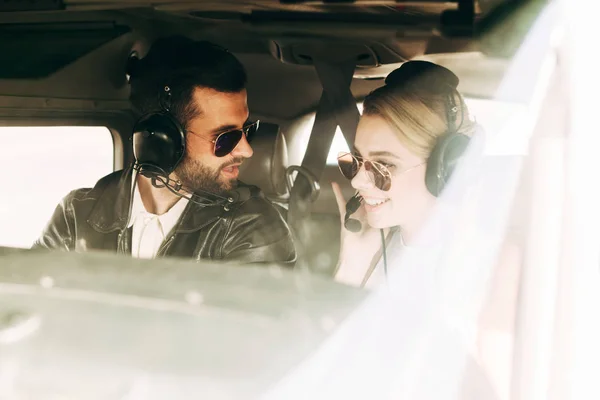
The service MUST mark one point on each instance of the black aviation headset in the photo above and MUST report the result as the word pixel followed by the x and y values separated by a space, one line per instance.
pixel 421 76
pixel 159 145
pixel 159 140
pixel 158 148
pixel 158 137
pixel 451 146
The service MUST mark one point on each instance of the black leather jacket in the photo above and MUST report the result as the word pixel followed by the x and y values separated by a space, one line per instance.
pixel 251 230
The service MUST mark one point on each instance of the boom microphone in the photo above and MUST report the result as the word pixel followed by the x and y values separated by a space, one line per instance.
pixel 204 198
pixel 351 224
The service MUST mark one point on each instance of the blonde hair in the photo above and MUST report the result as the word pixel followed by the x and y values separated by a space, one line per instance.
pixel 418 116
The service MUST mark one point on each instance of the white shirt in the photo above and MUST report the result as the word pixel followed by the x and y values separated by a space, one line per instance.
pixel 394 246
pixel 150 230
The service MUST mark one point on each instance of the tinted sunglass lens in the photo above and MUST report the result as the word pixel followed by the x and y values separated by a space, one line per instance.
pixel 381 181
pixel 380 178
pixel 348 165
pixel 251 130
pixel 227 142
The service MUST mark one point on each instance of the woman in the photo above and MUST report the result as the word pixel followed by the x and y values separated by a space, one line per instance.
pixel 412 132
pixel 413 129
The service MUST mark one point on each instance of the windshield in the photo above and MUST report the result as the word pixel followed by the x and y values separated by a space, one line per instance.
pixel 393 207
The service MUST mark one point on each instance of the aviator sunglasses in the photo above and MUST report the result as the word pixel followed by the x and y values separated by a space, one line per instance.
pixel 377 172
pixel 227 141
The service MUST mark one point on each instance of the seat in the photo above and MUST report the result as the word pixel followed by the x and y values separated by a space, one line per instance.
pixel 267 167
pixel 322 241
pixel 267 170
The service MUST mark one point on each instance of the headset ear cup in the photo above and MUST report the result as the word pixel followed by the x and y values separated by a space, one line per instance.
pixel 158 142
pixel 443 159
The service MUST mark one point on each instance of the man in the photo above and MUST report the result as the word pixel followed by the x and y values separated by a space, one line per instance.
pixel 199 209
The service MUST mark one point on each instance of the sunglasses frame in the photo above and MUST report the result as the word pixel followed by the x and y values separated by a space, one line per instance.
pixel 245 129
pixel 376 166
pixel 370 166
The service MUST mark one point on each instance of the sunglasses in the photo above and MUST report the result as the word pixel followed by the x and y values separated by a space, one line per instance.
pixel 227 141
pixel 377 172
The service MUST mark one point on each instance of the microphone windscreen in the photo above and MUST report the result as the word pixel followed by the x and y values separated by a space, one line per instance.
pixel 353 225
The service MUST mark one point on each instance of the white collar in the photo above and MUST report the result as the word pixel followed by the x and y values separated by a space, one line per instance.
pixel 167 220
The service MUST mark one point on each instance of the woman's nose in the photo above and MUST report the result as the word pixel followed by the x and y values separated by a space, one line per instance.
pixel 362 180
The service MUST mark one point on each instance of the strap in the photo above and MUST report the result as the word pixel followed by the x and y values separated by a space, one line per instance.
pixel 336 107
pixel 336 80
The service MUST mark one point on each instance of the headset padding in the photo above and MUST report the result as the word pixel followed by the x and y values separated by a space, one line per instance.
pixel 158 141
pixel 443 159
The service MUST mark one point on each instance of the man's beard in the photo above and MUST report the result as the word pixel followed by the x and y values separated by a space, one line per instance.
pixel 197 178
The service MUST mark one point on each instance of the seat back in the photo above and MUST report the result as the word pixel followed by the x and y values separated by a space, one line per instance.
pixel 266 168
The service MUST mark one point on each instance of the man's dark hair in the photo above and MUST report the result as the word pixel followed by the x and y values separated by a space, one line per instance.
pixel 183 64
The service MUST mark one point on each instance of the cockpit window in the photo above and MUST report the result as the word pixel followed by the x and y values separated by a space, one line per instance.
pixel 41 165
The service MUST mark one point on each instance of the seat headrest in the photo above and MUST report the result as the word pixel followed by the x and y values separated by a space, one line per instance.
pixel 266 168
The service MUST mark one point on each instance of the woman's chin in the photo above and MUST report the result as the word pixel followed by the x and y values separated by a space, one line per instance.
pixel 379 222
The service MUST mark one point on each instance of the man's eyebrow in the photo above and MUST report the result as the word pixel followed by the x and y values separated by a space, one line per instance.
pixel 224 128
pixel 227 128
pixel 384 154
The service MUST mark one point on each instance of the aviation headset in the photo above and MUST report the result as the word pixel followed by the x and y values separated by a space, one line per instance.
pixel 158 137
pixel 450 146
pixel 424 76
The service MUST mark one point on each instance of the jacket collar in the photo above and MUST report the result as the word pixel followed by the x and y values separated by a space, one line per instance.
pixel 196 217
pixel 112 208
pixel 113 194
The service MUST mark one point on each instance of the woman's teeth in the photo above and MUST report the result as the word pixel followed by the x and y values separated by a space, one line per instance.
pixel 375 202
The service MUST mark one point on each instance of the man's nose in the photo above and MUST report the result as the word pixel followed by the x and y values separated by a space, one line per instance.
pixel 243 149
